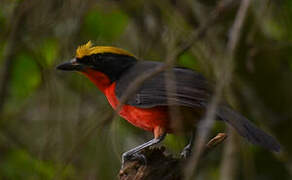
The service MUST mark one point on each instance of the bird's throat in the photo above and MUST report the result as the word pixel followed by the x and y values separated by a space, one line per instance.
pixel 101 80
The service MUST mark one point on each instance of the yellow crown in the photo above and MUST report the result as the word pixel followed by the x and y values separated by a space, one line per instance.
pixel 87 50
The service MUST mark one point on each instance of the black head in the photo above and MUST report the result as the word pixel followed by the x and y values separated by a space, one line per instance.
pixel 109 60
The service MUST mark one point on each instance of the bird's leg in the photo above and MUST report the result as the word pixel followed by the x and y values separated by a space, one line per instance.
pixel 133 153
pixel 186 152
pixel 219 138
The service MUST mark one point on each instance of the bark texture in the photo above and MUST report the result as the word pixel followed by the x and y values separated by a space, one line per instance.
pixel 159 166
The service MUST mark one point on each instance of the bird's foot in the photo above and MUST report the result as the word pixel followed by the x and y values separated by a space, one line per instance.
pixel 186 152
pixel 134 157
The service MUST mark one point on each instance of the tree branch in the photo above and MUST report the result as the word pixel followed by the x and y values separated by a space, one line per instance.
pixel 225 74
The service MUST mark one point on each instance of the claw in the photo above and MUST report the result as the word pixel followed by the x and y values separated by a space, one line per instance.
pixel 139 157
pixel 134 157
pixel 186 152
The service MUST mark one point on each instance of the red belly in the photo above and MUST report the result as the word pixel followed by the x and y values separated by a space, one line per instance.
pixel 143 118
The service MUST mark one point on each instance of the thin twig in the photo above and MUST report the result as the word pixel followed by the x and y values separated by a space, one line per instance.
pixel 9 50
pixel 237 26
pixel 170 84
pixel 229 161
pixel 225 77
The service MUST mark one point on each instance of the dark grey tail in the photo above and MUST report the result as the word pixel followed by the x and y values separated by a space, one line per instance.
pixel 247 129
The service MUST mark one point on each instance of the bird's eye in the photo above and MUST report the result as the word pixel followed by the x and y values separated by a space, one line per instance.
pixel 98 59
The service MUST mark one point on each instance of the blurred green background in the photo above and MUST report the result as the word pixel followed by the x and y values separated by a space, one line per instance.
pixel 54 125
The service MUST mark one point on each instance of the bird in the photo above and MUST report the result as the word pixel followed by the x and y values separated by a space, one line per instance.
pixel 113 70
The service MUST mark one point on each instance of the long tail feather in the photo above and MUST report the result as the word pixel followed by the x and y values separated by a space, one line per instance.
pixel 247 129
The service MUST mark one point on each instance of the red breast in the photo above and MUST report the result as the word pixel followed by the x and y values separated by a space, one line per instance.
pixel 145 118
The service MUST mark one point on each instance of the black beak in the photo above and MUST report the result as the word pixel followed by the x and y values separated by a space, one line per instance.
pixel 70 66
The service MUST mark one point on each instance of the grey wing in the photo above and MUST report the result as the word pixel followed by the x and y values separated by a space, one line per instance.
pixel 192 89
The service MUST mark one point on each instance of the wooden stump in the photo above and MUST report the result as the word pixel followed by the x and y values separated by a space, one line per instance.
pixel 161 166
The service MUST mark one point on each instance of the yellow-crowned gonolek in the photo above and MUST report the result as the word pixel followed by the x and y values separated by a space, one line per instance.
pixel 112 70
